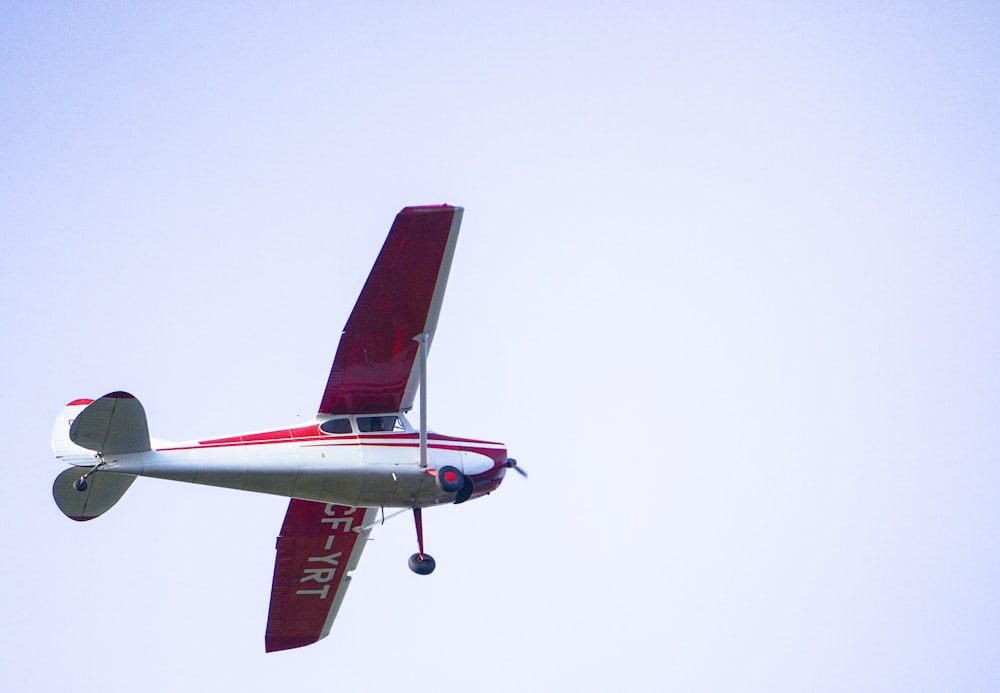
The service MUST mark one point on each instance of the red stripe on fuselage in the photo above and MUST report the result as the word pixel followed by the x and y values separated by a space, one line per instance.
pixel 312 434
pixel 326 442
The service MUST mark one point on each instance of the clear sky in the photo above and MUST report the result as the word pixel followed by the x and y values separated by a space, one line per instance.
pixel 727 286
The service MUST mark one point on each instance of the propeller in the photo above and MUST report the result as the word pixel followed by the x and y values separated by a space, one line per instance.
pixel 512 464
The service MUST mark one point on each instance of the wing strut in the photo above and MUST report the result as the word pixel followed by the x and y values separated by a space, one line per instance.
pixel 422 360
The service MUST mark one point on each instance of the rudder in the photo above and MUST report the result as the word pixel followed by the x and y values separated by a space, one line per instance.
pixel 62 445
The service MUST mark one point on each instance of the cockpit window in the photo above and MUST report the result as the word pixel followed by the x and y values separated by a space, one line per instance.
pixel 336 426
pixel 375 424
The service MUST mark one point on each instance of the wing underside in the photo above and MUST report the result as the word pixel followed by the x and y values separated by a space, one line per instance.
pixel 320 543
pixel 373 370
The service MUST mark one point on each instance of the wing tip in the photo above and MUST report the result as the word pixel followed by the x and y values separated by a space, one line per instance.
pixel 425 209
pixel 277 643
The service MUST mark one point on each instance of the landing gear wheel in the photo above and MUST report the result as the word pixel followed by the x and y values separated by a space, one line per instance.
pixel 421 565
pixel 450 479
pixel 80 484
pixel 466 492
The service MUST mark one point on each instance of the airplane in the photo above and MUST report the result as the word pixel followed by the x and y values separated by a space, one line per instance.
pixel 358 455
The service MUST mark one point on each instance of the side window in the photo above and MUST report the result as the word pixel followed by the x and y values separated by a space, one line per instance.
pixel 336 426
pixel 375 424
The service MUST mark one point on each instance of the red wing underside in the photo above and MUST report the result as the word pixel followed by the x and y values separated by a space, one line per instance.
pixel 374 367
pixel 319 544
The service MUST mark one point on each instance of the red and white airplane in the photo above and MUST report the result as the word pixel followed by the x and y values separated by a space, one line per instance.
pixel 359 454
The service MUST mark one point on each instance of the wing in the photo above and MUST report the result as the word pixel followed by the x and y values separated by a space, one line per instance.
pixel 373 370
pixel 319 544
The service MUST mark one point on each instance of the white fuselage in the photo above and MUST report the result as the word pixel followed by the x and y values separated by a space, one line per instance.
pixel 377 470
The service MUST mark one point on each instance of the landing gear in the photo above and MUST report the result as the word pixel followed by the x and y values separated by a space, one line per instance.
pixel 420 563
pixel 465 493
pixel 81 483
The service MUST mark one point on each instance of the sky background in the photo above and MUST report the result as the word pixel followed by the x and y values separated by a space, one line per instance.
pixel 727 286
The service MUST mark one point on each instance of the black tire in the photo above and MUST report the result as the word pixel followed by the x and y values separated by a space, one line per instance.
pixel 80 484
pixel 421 565
pixel 466 492
pixel 450 479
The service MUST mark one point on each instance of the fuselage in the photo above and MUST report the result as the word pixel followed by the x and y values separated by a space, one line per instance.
pixel 365 460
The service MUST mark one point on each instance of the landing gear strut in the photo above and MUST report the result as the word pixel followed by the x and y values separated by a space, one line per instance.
pixel 420 563
pixel 81 483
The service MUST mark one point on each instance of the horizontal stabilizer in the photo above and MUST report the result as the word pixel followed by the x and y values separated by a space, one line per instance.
pixel 114 424
pixel 102 491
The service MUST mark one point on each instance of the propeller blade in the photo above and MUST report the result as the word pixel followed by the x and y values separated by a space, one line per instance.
pixel 512 464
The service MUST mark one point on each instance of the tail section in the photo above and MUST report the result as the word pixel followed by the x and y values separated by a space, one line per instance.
pixel 84 432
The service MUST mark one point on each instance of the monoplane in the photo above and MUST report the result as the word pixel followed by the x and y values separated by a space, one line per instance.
pixel 357 457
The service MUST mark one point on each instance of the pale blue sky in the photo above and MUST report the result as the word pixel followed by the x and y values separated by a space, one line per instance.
pixel 727 286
